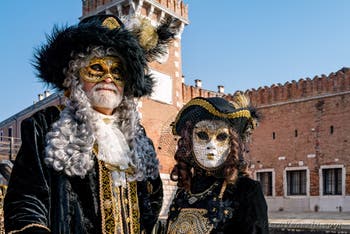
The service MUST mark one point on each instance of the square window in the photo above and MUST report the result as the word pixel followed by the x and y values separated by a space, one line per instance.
pixel 296 183
pixel 332 181
pixel 265 179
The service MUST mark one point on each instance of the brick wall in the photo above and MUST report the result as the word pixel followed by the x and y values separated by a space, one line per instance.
pixel 310 121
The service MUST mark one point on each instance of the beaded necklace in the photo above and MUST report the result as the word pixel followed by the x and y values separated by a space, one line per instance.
pixel 194 197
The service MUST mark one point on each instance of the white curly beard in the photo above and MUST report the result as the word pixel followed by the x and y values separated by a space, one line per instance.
pixel 105 96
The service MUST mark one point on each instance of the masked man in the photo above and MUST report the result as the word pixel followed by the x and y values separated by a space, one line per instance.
pixel 89 167
pixel 215 194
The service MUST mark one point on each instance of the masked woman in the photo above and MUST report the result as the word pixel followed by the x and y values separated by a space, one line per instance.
pixel 215 193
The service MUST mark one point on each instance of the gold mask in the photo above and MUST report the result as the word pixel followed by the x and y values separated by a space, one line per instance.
pixel 100 69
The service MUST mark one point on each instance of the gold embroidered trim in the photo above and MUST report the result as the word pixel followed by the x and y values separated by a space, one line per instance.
pixel 112 205
pixel 29 226
pixel 120 224
pixel 212 110
pixel 190 221
pixel 128 202
pixel 107 201
pixel 134 214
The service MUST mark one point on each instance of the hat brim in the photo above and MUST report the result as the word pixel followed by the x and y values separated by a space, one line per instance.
pixel 199 109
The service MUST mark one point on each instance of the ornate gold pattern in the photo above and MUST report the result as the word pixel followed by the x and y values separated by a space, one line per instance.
pixel 212 110
pixel 120 224
pixel 134 214
pixel 100 69
pixel 128 202
pixel 107 200
pixel 29 226
pixel 119 211
pixel 190 221
pixel 111 23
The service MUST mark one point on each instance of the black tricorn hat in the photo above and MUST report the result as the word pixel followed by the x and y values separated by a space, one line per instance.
pixel 99 30
pixel 238 114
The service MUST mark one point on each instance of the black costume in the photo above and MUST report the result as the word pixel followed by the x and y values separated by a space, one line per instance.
pixel 77 202
pixel 64 179
pixel 214 202
pixel 242 208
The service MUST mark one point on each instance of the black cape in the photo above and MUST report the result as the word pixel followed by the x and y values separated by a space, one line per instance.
pixel 41 200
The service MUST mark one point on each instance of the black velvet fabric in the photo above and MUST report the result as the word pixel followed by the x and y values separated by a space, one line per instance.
pixel 244 205
pixel 49 200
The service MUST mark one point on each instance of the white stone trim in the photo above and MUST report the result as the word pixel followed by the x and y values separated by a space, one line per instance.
pixel 162 8
pixel 163 87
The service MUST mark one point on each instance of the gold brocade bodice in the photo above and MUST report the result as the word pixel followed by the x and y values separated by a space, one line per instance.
pixel 190 221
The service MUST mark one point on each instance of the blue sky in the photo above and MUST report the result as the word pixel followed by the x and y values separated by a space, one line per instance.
pixel 241 44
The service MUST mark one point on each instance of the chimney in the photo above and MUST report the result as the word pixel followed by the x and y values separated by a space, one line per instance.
pixel 198 83
pixel 221 89
pixel 40 96
pixel 47 93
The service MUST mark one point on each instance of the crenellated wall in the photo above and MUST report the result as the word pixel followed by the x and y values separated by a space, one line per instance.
pixel 176 6
pixel 304 88
pixel 189 92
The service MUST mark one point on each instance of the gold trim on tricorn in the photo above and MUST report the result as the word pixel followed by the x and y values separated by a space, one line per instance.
pixel 244 113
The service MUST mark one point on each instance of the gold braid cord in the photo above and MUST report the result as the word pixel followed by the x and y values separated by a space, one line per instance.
pixel 29 226
pixel 190 221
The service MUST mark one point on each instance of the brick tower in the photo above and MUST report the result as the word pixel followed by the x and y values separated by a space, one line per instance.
pixel 159 110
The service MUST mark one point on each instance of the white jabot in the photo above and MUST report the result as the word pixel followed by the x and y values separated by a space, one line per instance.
pixel 113 148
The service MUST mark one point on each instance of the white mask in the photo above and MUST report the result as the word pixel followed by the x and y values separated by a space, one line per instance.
pixel 211 143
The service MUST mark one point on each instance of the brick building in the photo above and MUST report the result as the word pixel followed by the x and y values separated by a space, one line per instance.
pixel 301 150
pixel 298 152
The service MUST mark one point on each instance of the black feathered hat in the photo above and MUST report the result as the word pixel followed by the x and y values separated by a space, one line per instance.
pixel 99 30
pixel 238 114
